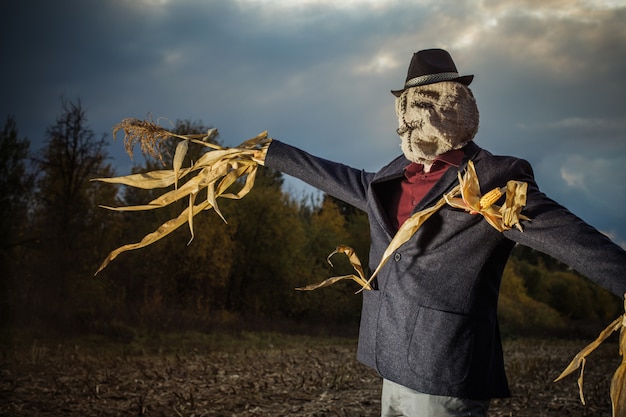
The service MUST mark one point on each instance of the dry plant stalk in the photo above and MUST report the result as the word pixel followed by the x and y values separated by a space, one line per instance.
pixel 618 383
pixel 408 229
pixel 471 200
pixel 215 172
pixel 502 218
pixel 354 261
pixel 146 133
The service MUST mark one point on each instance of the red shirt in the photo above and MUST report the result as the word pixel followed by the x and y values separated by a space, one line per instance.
pixel 416 183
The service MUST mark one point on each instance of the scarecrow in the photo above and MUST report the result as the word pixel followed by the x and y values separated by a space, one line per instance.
pixel 444 217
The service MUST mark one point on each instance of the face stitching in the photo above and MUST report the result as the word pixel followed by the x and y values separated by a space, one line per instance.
pixel 421 105
pixel 430 94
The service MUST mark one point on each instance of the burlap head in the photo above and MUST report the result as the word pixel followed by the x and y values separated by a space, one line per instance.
pixel 434 119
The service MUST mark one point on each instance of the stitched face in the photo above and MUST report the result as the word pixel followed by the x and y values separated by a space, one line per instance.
pixel 434 119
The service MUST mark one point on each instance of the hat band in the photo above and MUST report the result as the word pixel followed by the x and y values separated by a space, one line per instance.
pixel 431 78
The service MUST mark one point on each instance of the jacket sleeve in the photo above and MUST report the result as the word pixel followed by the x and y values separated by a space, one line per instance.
pixel 556 231
pixel 341 181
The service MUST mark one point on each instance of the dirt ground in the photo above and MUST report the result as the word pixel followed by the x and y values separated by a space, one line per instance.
pixel 304 381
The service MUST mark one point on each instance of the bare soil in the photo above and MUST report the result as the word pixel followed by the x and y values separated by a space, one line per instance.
pixel 319 380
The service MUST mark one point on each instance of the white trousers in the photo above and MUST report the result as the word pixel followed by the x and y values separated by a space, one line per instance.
pixel 400 401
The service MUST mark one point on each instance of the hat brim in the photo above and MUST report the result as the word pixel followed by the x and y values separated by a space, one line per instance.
pixel 466 80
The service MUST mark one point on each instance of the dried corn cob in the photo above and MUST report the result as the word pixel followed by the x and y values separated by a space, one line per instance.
pixel 489 199
pixel 470 200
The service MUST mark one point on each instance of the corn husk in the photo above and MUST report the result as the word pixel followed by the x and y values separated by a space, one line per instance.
pixel 404 233
pixel 354 261
pixel 618 382
pixel 500 217
pixel 213 175
pixel 466 196
pixel 408 229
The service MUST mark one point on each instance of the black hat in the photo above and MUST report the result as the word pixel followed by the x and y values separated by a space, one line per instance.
pixel 432 66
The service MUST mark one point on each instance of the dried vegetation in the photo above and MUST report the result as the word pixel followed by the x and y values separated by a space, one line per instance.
pixel 211 177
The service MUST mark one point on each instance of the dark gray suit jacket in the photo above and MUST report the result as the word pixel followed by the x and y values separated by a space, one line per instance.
pixel 430 324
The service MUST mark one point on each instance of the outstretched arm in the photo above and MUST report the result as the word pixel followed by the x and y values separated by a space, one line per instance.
pixel 341 181
pixel 556 231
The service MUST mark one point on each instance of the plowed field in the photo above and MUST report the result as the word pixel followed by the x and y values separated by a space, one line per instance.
pixel 320 380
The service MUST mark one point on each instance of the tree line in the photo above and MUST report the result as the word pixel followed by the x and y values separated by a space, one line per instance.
pixel 239 274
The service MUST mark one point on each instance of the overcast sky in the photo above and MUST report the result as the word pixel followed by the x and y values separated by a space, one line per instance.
pixel 550 77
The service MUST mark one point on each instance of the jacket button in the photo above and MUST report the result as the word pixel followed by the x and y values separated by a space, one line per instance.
pixel 397 257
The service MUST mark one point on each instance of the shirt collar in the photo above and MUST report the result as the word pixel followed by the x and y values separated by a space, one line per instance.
pixel 450 158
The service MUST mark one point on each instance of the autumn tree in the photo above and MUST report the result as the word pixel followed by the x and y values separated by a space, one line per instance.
pixel 16 186
pixel 67 220
pixel 328 226
pixel 554 283
pixel 269 256
pixel 518 312
pixel 16 182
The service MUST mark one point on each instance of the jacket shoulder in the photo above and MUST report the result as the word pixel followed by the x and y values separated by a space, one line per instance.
pixel 494 169
pixel 393 168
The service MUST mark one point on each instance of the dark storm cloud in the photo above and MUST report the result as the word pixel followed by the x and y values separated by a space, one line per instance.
pixel 317 74
pixel 554 99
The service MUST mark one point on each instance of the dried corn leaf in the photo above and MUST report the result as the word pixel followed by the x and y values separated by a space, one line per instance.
pixel 164 230
pixel 469 200
pixel 328 282
pixel 512 208
pixel 179 157
pixel 215 171
pixel 192 186
pixel 165 178
pixel 351 254
pixel 618 382
pixel 146 180
pixel 354 261
pixel 404 233
pixel 230 178
pixel 209 158
pixel 470 187
pixel 192 200
pixel 501 218
pixel 576 362
pixel 408 229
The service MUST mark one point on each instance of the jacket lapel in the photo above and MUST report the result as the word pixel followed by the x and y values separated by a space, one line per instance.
pixel 395 170
pixel 391 172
